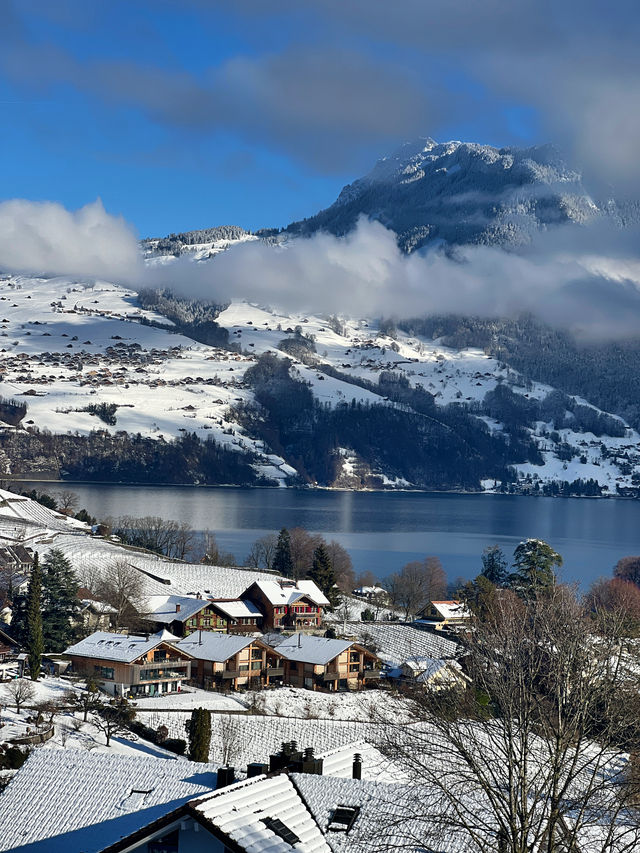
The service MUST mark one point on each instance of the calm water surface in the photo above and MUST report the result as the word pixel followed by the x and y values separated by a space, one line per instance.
pixel 383 530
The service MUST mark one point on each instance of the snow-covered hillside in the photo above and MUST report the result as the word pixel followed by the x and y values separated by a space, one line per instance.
pixel 68 345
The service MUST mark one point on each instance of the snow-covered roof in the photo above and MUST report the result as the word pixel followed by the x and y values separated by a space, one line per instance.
pixel 246 811
pixel 164 608
pixel 209 645
pixel 373 802
pixel 18 507
pixel 338 762
pixel 119 647
pixel 451 609
pixel 280 594
pixel 309 649
pixel 397 641
pixel 425 668
pixel 62 801
pixel 370 590
pixel 236 608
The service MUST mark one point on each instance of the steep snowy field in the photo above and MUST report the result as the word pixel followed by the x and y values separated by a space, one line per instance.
pixel 66 345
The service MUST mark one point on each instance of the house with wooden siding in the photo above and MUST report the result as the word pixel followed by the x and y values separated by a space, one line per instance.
pixel 182 614
pixel 318 663
pixel 444 615
pixel 297 605
pixel 228 661
pixel 132 665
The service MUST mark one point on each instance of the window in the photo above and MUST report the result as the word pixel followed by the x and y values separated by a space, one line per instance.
pixel 243 667
pixel 106 672
pixel 277 826
pixel 354 656
pixel 256 664
pixel 293 665
pixel 256 654
pixel 343 818
pixel 354 667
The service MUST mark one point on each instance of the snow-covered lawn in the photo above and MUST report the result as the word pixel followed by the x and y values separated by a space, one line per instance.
pixel 364 706
pixel 191 698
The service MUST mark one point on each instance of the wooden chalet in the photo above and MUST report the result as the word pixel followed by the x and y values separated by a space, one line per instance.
pixel 228 662
pixel 287 604
pixel 132 665
pixel 318 663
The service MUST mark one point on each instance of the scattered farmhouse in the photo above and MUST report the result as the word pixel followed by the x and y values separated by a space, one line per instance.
pixel 317 662
pixel 444 615
pixel 288 604
pixel 132 665
pixel 228 661
pixel 433 673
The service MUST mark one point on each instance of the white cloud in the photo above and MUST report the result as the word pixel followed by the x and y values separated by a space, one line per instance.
pixel 45 237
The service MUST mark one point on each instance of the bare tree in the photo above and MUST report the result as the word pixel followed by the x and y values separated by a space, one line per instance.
pixel 230 738
pixel 85 700
pixel 20 691
pixel 342 566
pixel 303 544
pixel 163 536
pixel 212 555
pixel 113 718
pixel 67 502
pixel 365 579
pixel 535 755
pixel 122 587
pixel 262 552
pixel 418 583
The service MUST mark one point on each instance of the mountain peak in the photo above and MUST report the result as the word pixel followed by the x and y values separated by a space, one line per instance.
pixel 460 192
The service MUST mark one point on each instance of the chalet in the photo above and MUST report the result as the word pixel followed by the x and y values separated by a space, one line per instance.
pixel 444 615
pixel 320 663
pixel 181 614
pixel 287 604
pixel 93 614
pixel 433 673
pixel 132 665
pixel 227 661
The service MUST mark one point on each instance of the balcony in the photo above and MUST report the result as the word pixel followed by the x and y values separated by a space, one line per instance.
pixel 237 673
pixel 273 671
pixel 370 674
pixel 330 676
pixel 168 671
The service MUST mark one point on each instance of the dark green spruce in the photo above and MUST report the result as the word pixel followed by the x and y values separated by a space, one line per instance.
pixel 34 640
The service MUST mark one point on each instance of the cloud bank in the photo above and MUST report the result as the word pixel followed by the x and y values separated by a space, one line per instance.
pixel 587 279
pixel 45 237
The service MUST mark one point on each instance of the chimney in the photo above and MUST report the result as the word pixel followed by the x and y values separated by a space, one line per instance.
pixel 226 776
pixel 357 766
pixel 177 608
pixel 256 769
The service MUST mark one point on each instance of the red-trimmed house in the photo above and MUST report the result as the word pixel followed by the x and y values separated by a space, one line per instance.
pixel 228 661
pixel 287 604
pixel 182 614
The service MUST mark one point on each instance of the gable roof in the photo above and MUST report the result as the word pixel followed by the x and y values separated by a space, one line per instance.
pixel 209 645
pixel 280 594
pixel 451 609
pixel 247 812
pixel 162 608
pixel 71 800
pixel 236 608
pixel 124 648
pixel 309 649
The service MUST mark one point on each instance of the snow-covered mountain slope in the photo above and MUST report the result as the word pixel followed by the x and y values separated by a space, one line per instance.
pixel 199 245
pixel 460 192
pixel 67 345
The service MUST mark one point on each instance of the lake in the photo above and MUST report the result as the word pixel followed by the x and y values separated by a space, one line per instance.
pixel 384 530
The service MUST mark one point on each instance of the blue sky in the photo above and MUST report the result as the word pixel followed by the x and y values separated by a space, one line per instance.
pixel 189 114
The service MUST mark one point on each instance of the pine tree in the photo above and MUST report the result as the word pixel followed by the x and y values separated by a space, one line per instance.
pixel 283 561
pixel 59 601
pixel 34 641
pixel 199 732
pixel 323 576
pixel 494 565
pixel 534 562
pixel 18 628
